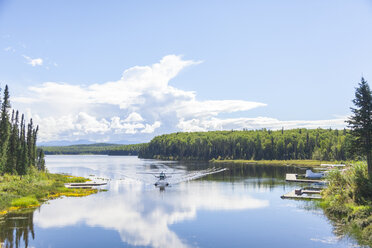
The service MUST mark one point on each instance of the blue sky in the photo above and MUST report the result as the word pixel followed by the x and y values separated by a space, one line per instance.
pixel 191 65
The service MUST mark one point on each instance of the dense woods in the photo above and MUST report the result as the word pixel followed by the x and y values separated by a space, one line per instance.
pixel 318 144
pixel 18 151
pixel 99 148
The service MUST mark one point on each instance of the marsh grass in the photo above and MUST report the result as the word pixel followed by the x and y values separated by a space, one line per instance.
pixel 29 190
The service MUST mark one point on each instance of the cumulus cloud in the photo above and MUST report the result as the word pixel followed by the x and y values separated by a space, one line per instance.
pixel 33 62
pixel 194 125
pixel 140 104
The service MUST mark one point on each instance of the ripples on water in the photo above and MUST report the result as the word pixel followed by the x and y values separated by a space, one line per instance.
pixel 239 207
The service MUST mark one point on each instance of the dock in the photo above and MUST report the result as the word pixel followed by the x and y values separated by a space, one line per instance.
pixel 87 185
pixel 303 194
pixel 293 178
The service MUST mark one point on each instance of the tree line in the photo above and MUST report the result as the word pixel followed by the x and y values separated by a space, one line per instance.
pixel 18 151
pixel 99 148
pixel 318 144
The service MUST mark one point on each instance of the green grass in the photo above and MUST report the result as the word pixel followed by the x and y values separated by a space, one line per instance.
pixel 25 202
pixel 36 187
pixel 307 163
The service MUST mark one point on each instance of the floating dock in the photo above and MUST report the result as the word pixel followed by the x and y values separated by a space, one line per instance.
pixel 88 185
pixel 303 194
pixel 293 178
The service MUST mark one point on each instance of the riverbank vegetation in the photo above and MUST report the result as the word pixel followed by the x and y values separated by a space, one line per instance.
pixel 34 188
pixel 348 202
pixel 24 181
pixel 99 148
pixel 294 144
pixel 348 198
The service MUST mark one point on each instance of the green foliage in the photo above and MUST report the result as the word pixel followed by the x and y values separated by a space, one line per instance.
pixel 361 122
pixel 36 184
pixel 25 202
pixel 319 144
pixel 4 130
pixel 348 201
pixel 18 151
pixel 100 148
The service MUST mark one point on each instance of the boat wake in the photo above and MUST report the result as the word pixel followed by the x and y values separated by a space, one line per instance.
pixel 196 175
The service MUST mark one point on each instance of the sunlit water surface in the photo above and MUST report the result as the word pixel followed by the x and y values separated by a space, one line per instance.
pixel 240 207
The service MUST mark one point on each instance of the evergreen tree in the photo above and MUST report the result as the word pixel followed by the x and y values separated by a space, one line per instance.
pixel 13 145
pixel 22 150
pixel 40 160
pixel 4 129
pixel 361 122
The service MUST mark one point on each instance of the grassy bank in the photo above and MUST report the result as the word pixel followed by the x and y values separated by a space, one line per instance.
pixel 348 202
pixel 307 163
pixel 31 190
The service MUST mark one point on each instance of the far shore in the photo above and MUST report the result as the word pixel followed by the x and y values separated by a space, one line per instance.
pixel 302 163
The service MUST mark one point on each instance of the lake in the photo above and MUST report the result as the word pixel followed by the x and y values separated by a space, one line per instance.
pixel 239 207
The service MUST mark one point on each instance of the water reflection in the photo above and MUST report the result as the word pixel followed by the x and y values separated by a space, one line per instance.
pixel 16 229
pixel 239 201
pixel 144 217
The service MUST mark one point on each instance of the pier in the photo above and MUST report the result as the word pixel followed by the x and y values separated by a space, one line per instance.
pixel 303 194
pixel 293 178
pixel 87 185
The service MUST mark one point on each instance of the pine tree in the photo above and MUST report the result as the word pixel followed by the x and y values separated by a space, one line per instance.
pixel 23 151
pixel 22 162
pixel 13 145
pixel 361 122
pixel 40 160
pixel 4 129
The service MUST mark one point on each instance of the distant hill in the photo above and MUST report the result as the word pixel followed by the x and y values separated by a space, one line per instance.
pixel 97 148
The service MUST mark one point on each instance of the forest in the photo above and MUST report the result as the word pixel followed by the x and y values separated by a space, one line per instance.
pixel 98 148
pixel 18 151
pixel 316 144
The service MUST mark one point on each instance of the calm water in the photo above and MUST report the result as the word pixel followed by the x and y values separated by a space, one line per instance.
pixel 240 207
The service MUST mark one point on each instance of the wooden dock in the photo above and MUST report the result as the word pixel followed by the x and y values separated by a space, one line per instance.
pixel 293 178
pixel 87 185
pixel 303 194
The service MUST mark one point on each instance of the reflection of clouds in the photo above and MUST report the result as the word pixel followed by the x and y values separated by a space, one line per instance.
pixel 142 217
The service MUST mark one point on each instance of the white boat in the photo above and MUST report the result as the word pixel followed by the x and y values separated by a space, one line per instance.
pixel 311 174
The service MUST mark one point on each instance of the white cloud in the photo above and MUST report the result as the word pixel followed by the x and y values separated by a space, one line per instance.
pixel 209 124
pixel 151 128
pixel 140 104
pixel 33 62
pixel 134 117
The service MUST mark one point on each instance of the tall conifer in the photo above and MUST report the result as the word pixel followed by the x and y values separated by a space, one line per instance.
pixel 361 122
pixel 4 129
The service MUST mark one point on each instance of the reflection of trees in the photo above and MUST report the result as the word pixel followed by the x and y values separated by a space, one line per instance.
pixel 260 176
pixel 238 171
pixel 15 228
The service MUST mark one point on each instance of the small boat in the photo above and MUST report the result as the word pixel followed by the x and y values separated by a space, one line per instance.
pixel 311 174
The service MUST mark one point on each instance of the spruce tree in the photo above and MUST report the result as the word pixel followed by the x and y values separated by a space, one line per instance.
pixel 361 122
pixel 4 129
pixel 23 151
pixel 13 145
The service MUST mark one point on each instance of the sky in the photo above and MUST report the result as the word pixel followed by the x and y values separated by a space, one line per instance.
pixel 126 71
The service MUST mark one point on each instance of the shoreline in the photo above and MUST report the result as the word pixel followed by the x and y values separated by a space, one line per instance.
pixel 30 191
pixel 300 163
